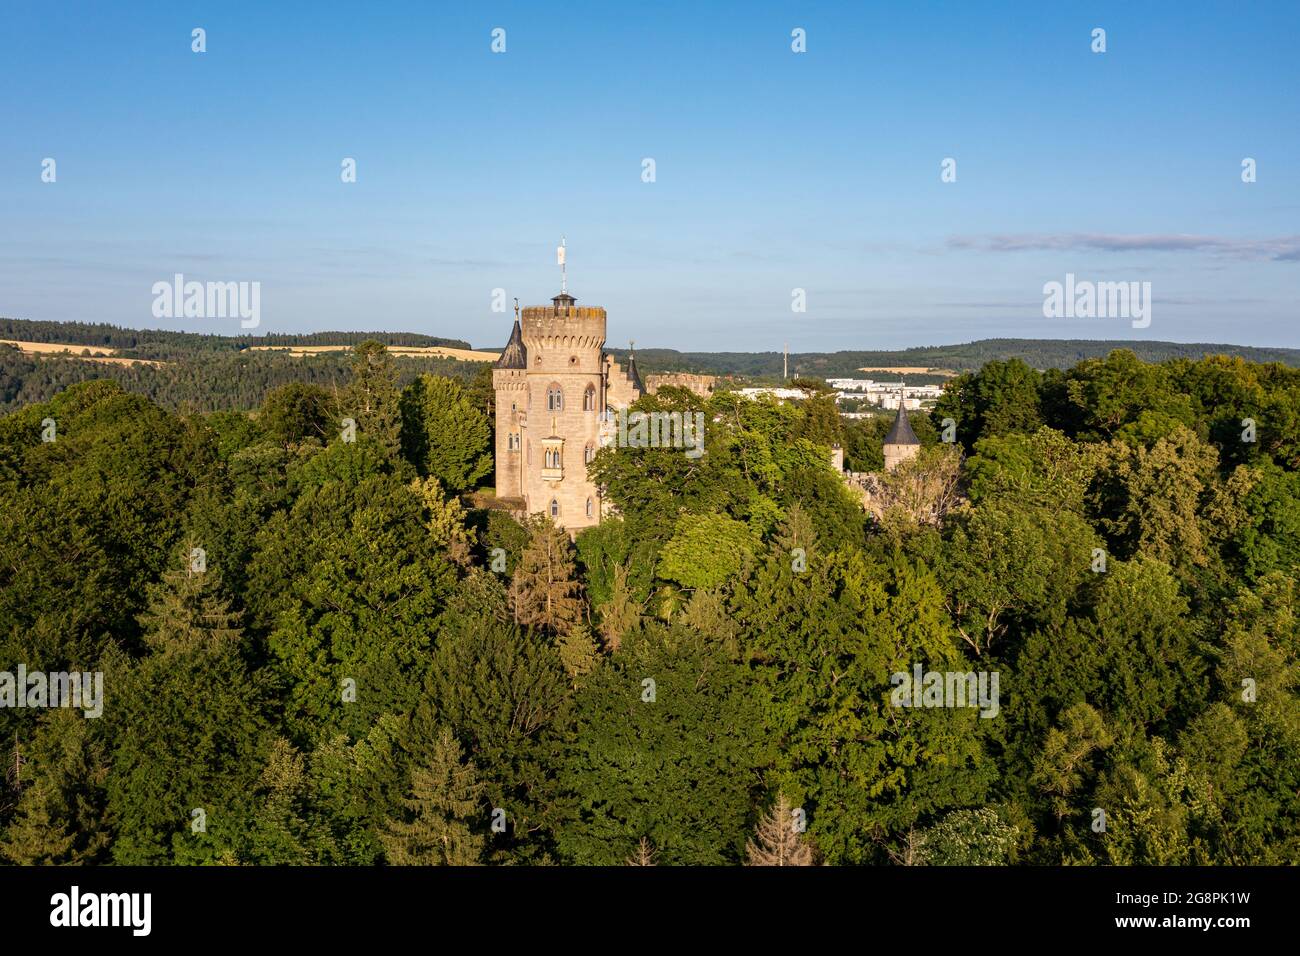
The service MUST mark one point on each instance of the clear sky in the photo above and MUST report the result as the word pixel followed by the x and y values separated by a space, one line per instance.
pixel 773 170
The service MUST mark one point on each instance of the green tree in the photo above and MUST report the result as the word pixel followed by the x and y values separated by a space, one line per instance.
pixel 446 801
pixel 444 434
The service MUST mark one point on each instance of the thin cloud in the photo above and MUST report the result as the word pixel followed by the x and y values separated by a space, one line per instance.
pixel 1280 249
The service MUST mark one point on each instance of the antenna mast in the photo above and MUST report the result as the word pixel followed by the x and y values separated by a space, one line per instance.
pixel 559 258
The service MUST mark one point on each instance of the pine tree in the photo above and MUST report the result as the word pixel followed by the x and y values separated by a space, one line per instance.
pixel 776 841
pixel 445 796
pixel 545 591
pixel 644 854
pixel 188 610
pixel 372 397
pixel 60 817
pixel 578 651
pixel 621 613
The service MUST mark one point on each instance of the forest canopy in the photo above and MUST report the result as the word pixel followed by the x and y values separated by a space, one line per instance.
pixel 328 644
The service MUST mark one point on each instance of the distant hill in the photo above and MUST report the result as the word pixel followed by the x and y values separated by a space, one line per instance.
pixel 165 345
pixel 1039 353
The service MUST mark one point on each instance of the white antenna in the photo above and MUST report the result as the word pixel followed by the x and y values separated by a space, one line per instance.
pixel 559 259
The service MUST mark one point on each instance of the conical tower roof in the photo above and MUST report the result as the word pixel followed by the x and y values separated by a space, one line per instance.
pixel 901 433
pixel 514 355
pixel 633 375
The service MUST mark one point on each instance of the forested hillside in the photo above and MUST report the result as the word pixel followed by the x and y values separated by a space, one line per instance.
pixel 326 646
pixel 1037 353
pixel 207 381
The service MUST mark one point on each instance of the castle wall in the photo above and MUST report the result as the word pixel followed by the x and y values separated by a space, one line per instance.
pixel 701 385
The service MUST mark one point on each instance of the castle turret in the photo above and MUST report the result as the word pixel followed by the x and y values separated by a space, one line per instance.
pixel 901 442
pixel 510 383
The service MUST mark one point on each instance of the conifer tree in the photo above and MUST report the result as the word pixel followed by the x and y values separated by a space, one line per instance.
pixel 621 613
pixel 644 855
pixel 776 842
pixel 60 817
pixel 372 397
pixel 545 591
pixel 187 609
pixel 578 651
pixel 445 796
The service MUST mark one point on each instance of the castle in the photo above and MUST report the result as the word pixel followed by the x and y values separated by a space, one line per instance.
pixel 556 392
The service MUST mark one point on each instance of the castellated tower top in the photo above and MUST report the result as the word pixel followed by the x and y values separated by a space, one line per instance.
pixel 563 325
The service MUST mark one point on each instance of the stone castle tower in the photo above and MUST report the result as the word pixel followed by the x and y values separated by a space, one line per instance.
pixel 901 442
pixel 556 392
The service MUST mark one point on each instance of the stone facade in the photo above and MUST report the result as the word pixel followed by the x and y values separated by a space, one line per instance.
pixel 555 389
pixel 701 385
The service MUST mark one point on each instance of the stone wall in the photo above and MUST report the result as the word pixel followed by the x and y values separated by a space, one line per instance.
pixel 701 385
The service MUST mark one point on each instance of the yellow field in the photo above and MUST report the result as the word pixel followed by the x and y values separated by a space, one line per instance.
pixel 435 351
pixel 910 370
pixel 63 350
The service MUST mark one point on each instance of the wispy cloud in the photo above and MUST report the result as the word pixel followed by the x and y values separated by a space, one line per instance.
pixel 1279 249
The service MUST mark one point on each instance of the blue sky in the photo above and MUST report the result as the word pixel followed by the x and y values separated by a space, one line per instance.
pixel 774 170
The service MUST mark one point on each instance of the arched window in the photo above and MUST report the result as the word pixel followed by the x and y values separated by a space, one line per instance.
pixel 554 399
pixel 512 441
pixel 589 399
pixel 589 453
pixel 555 508
pixel 588 507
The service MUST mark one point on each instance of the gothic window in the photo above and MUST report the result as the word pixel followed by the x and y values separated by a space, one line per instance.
pixel 512 442
pixel 589 453
pixel 555 508
pixel 589 399
pixel 554 399
pixel 588 507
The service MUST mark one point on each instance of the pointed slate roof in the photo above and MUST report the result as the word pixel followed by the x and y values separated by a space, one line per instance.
pixel 633 375
pixel 514 355
pixel 901 433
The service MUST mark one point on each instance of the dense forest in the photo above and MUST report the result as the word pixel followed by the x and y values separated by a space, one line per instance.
pixel 329 645
pixel 212 381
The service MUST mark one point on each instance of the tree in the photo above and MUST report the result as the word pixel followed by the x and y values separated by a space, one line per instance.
pixel 444 434
pixel 445 800
pixel 296 411
pixel 61 817
pixel 672 761
pixel 706 551
pixel 968 838
pixel 777 841
pixel 644 855
pixel 544 590
pixel 371 397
